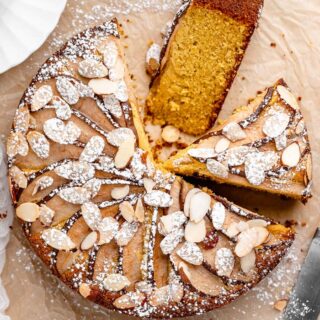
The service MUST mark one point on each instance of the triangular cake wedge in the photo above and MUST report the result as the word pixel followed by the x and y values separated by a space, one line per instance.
pixel 102 217
pixel 263 146
pixel 203 50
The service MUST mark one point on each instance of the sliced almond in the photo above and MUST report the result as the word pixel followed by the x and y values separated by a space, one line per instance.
pixel 218 215
pixel 57 239
pixel 233 132
pixel 144 287
pixel 103 86
pixel 281 304
pixel 291 155
pixel 18 177
pixel 84 290
pixel 224 262
pixel 246 242
pixel 217 169
pixel 129 300
pixel 242 226
pixel 262 235
pixel 195 232
pixel 91 214
pixel 39 144
pixel 46 215
pixel 117 71
pixel 222 145
pixel 190 253
pixel 42 183
pixel 288 97
pixel 115 282
pixel 202 153
pixel 166 294
pixel 170 241
pixel 92 69
pixel 148 184
pixel 199 206
pixel 126 233
pixel 89 241
pixel 21 120
pixel 41 97
pixel 153 59
pixel 127 211
pixel 139 211
pixel 124 153
pixel 248 262
pixel 170 134
pixel 120 192
pixel 257 223
pixel 17 144
pixel 300 127
pixel 107 228
pixel 28 212
pixel 232 230
pixel 187 200
pixel 171 222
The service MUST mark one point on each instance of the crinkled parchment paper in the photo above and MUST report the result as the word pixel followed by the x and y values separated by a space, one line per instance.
pixel 286 44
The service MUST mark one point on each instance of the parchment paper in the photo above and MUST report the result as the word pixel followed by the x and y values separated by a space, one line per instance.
pixel 292 27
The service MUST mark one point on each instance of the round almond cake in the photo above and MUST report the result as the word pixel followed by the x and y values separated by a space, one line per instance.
pixel 108 221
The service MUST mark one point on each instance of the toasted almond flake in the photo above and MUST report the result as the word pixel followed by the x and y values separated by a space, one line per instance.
pixel 92 69
pixel 170 134
pixel 217 169
pixel 93 149
pixel 202 153
pixel 248 262
pixel 257 223
pixel 28 212
pixel 120 192
pixel 42 183
pixel 89 241
pixel 115 282
pixel 127 211
pixel 21 120
pixel 153 59
pixel 139 212
pixel 75 195
pixel 191 253
pixel 158 198
pixel 169 293
pixel 129 300
pixel 195 232
pixel 242 226
pixel 126 233
pixel 275 124
pixel 190 194
pixel 124 153
pixel 237 155
pixel 281 304
pixel 233 132
pixel 224 262
pixel 232 230
pixel 288 97
pixel 300 127
pixel 262 235
pixel 121 92
pixel 91 215
pixel 17 144
pixel 39 144
pixel 199 206
pixel 46 215
pixel 144 287
pixel 41 97
pixel 67 90
pixel 218 215
pixel 222 145
pixel 84 290
pixel 63 110
pixel 110 53
pixel 18 177
pixel 57 239
pixel 93 186
pixel 113 105
pixel 57 131
pixel 103 86
pixel 291 155
pixel 281 141
pixel 118 136
pixel 108 229
pixel 171 222
pixel 148 184
pixel 117 71
pixel 170 241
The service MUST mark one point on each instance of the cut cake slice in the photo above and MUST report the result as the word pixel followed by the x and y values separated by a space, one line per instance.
pixel 200 59
pixel 263 146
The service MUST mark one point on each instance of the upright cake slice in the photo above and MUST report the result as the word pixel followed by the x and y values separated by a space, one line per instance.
pixel 263 146
pixel 102 217
pixel 199 61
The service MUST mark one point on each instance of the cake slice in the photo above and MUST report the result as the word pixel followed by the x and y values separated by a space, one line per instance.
pixel 200 59
pixel 263 146
pixel 108 222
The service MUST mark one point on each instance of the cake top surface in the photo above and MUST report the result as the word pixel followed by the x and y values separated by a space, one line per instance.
pixel 98 212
